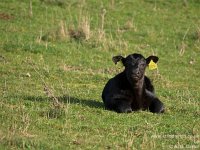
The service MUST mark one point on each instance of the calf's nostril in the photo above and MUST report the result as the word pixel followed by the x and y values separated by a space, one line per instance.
pixel 137 73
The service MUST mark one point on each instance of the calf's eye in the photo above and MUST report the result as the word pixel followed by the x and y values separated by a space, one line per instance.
pixel 142 65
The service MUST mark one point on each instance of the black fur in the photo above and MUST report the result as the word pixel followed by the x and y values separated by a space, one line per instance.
pixel 131 90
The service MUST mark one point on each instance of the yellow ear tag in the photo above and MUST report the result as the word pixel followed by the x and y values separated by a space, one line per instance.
pixel 152 65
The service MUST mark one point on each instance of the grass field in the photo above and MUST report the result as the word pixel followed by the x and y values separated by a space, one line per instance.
pixel 55 58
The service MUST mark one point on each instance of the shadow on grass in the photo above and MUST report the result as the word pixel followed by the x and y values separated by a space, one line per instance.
pixel 70 100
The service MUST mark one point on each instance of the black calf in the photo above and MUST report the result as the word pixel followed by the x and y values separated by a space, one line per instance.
pixel 131 90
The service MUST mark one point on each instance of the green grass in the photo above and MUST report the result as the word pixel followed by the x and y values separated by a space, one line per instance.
pixel 52 76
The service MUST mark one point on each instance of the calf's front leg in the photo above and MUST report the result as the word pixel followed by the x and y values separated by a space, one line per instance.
pixel 155 105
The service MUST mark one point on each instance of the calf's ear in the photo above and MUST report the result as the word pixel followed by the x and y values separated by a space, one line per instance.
pixel 153 58
pixel 116 59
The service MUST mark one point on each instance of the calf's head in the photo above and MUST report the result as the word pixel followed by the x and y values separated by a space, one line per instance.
pixel 135 65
